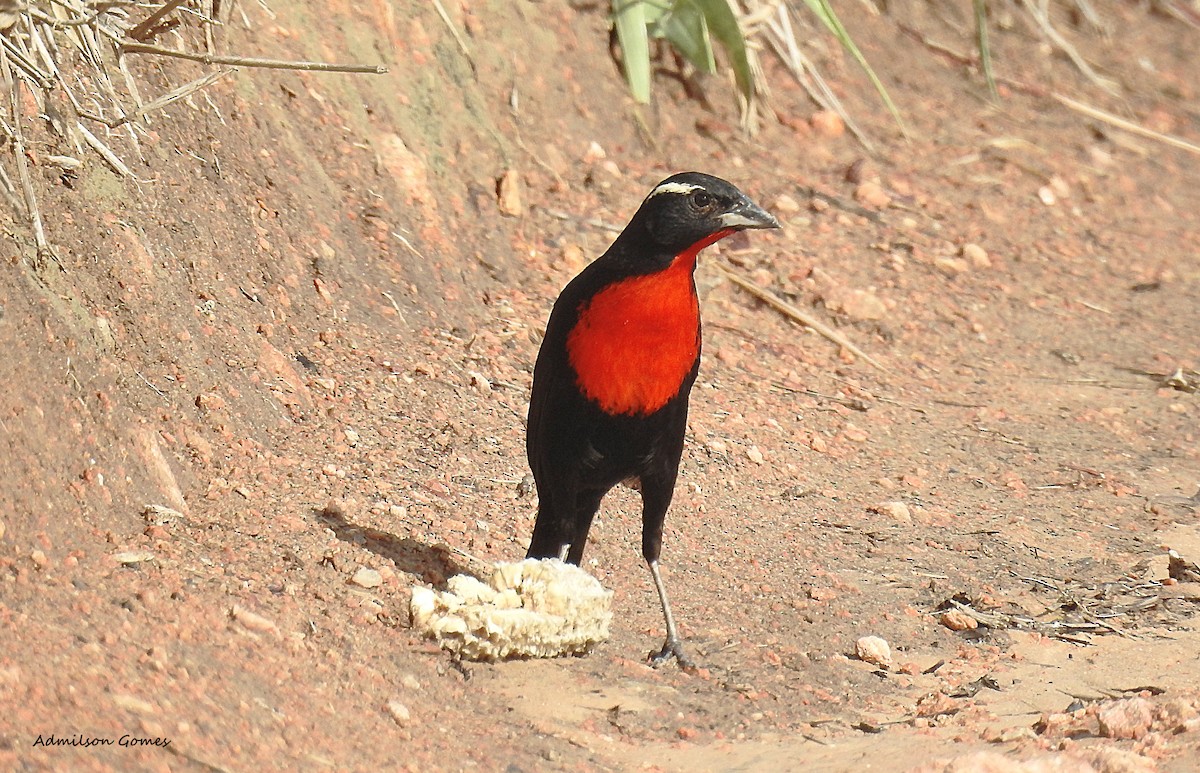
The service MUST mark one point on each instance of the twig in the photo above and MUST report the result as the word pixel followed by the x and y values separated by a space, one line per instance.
pixel 245 61
pixel 783 40
pixel 400 238
pixel 149 384
pixel 1042 16
pixel 98 146
pixel 22 63
pixel 14 106
pixel 797 315
pixel 395 305
pixel 1128 126
pixel 458 38
pixel 183 91
pixel 139 32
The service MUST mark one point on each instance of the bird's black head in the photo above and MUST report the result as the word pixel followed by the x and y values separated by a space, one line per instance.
pixel 684 211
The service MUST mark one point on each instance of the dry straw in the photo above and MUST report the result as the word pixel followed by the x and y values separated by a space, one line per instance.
pixel 68 63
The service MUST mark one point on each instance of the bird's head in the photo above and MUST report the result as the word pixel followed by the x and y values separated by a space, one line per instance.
pixel 691 210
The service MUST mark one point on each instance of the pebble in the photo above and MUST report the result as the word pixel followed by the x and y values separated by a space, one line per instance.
pixel 862 305
pixel 1128 718
pixel 408 170
pixel 367 578
pixel 827 123
pixel 594 153
pixel 1176 713
pixel 157 515
pixel 2 527
pixel 252 620
pixel 872 194
pixel 895 510
pixel 351 437
pixel 509 195
pixel 951 266
pixel 410 682
pixel 754 455
pixel 1046 194
pixel 134 704
pixel 976 256
pixel 873 650
pixel 957 620
pixel 133 556
pixel 399 712
pixel 785 204
pixel 39 558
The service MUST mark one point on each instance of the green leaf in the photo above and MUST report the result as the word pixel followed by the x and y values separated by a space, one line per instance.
pixel 629 17
pixel 985 49
pixel 686 30
pixel 723 25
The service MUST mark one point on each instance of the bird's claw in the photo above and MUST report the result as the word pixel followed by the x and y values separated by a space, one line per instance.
pixel 672 648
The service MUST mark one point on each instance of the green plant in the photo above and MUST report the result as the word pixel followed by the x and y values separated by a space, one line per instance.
pixel 689 26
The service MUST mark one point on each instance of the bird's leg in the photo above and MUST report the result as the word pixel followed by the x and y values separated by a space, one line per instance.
pixel 672 647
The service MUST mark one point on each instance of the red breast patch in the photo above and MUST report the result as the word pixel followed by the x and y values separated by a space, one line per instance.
pixel 636 340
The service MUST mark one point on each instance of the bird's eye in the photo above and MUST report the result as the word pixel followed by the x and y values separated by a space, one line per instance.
pixel 702 199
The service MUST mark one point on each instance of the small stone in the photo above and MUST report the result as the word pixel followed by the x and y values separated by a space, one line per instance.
pixel 716 445
pixel 2 527
pixel 351 437
pixel 872 194
pixel 1128 718
pixel 410 682
pixel 594 153
pixel 39 559
pixel 134 704
pixel 322 290
pixel 252 620
pixel 827 123
pixel 951 266
pixel 976 256
pixel 686 733
pixel 509 197
pixel 957 620
pixel 399 712
pixel 873 650
pixel 855 434
pixel 573 258
pixel 157 515
pixel 1046 194
pixel 406 169
pixel 786 205
pixel 754 455
pixel 897 511
pixel 1176 713
pixel 127 557
pixel 862 305
pixel 480 382
pixel 367 578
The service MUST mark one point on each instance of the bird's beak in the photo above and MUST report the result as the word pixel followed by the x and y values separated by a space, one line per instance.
pixel 747 214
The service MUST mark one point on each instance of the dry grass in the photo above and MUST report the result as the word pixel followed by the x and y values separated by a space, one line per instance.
pixel 74 96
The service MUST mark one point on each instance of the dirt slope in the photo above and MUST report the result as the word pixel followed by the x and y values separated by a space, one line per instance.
pixel 308 329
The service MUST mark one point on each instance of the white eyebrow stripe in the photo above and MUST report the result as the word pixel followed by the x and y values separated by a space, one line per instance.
pixel 673 188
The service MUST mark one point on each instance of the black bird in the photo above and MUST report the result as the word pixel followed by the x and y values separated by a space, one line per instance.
pixel 620 355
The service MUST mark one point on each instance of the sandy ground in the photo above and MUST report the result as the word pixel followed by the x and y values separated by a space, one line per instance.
pixel 307 336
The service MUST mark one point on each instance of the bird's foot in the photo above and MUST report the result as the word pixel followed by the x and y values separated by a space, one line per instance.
pixel 672 648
